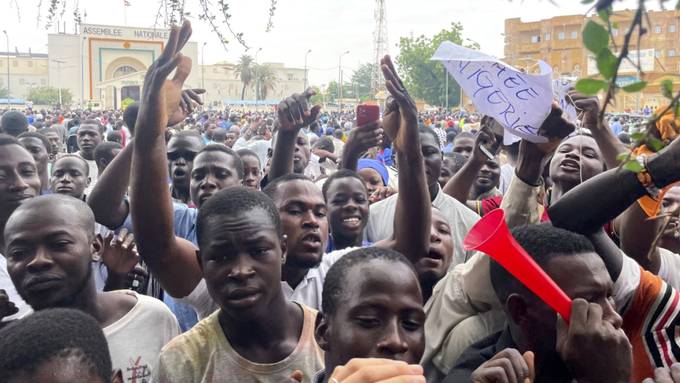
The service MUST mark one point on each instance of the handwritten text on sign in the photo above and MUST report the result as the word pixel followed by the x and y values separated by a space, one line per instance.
pixel 518 101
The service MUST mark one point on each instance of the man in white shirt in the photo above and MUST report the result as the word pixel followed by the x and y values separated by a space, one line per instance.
pixel 50 243
pixel 89 136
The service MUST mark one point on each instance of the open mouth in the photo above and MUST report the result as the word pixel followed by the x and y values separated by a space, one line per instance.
pixel 352 221
pixel 312 240
pixel 569 165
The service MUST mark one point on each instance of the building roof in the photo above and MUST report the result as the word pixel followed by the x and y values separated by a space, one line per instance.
pixel 24 54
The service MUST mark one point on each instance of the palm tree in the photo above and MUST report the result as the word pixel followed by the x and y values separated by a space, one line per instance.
pixel 265 80
pixel 244 70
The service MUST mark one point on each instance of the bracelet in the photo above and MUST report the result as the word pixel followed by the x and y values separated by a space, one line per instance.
pixel 645 178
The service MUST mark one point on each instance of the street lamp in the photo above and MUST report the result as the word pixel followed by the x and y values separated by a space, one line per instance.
pixel 340 81
pixel 7 38
pixel 308 52
pixel 59 62
pixel 257 79
pixel 203 66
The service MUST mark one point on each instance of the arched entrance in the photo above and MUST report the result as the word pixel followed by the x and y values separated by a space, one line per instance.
pixel 123 67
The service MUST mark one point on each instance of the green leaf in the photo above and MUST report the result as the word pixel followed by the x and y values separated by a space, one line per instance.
pixel 639 136
pixel 635 87
pixel 667 88
pixel 587 1
pixel 604 13
pixel 633 166
pixel 606 63
pixel 595 37
pixel 655 143
pixel 621 157
pixel 677 6
pixel 589 86
pixel 615 25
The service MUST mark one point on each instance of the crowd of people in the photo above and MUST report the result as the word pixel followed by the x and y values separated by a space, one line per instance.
pixel 166 243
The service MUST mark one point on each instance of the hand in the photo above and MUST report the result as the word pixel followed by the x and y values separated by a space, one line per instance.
pixel 665 375
pixel 190 98
pixel 507 366
pixel 377 370
pixel 400 119
pixel 294 112
pixel 161 97
pixel 592 348
pixel 137 280
pixel 120 252
pixel 364 137
pixel 7 307
pixel 486 138
pixel 588 107
pixel 381 194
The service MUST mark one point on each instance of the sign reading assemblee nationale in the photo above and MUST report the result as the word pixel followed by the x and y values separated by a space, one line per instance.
pixel 125 33
pixel 519 101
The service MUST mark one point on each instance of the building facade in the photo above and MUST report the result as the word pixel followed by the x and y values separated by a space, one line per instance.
pixel 558 41
pixel 103 65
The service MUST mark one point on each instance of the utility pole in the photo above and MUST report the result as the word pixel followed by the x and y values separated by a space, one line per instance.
pixel 340 81
pixel 203 66
pixel 306 69
pixel 59 62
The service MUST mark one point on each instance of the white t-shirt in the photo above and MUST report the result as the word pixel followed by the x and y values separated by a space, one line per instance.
pixel 7 285
pixel 135 340
pixel 308 292
pixel 669 267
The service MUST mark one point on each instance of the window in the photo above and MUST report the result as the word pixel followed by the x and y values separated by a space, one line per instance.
pixel 535 39
pixel 574 35
pixel 615 32
pixel 560 36
pixel 671 28
pixel 657 54
pixel 546 37
pixel 657 29
pixel 291 77
pixel 671 53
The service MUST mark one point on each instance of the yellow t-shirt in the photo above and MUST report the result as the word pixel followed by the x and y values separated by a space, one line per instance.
pixel 204 354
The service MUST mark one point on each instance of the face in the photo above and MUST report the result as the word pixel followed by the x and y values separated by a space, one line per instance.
pixel 432 156
pixel 446 172
pixel 48 255
pixel 69 177
pixel 18 178
pixel 301 154
pixel 372 179
pixel 670 204
pixel 181 152
pixel 593 285
pixel 241 258
pixel 347 203
pixel 212 172
pixel 37 148
pixel 489 176
pixel 432 267
pixel 55 142
pixel 303 218
pixel 252 175
pixel 576 159
pixel 380 315
pixel 464 146
pixel 88 138
pixel 231 139
pixel 210 130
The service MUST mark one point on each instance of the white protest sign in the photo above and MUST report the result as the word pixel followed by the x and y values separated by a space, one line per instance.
pixel 561 87
pixel 518 101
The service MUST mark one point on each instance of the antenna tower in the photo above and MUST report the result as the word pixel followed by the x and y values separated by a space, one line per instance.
pixel 380 47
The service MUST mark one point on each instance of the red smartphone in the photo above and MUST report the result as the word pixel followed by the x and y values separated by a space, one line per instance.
pixel 367 113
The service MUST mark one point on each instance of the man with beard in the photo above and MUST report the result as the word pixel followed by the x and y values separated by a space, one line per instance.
pixel 49 245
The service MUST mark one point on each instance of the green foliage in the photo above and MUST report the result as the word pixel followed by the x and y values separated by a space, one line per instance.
pixel 635 87
pixel 595 37
pixel 590 86
pixel 317 99
pixel 606 63
pixel 667 88
pixel 264 80
pixel 244 70
pixel 361 81
pixel 47 95
pixel 425 79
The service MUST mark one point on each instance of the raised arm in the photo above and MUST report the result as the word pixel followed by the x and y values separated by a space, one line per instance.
pixel 107 199
pixel 460 184
pixel 173 261
pixel 413 212
pixel 609 144
pixel 293 114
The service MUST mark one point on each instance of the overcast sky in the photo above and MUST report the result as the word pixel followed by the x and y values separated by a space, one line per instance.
pixel 327 27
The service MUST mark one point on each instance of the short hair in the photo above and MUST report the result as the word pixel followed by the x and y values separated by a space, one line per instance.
pixel 79 158
pixel 50 334
pixel 53 129
pixel 274 185
pixel 130 116
pixel 458 161
pixel 247 152
pixel 465 135
pixel 428 130
pixel 13 123
pixel 105 149
pixel 335 284
pixel 37 135
pixel 451 135
pixel 6 139
pixel 224 149
pixel 542 242
pixel 113 136
pixel 189 134
pixel 342 173
pixel 231 201
pixel 101 128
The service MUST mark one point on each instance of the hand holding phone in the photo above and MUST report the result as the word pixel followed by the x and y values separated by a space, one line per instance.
pixel 367 114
